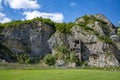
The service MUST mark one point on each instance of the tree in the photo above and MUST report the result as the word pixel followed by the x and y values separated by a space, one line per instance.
pixel 61 27
pixel 68 27
pixel 23 58
pixel 118 31
pixel 49 59
pixel 73 57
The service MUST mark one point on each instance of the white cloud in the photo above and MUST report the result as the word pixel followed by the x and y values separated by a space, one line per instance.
pixel 73 4
pixel 56 17
pixel 22 4
pixel 3 18
pixel 1 15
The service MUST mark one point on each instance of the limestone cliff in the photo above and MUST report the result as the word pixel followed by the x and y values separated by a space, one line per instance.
pixel 99 40
pixel 94 37
pixel 28 38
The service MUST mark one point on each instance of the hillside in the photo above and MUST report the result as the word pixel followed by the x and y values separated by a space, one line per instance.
pixel 91 40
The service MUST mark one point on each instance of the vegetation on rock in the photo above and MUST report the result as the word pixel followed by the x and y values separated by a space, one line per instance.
pixel 50 59
pixel 118 31
pixel 62 52
pixel 88 19
pixel 64 27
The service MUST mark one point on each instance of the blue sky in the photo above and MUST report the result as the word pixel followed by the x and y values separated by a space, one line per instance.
pixel 58 10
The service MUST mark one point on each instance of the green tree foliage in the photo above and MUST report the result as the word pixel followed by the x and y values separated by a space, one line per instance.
pixel 61 52
pixel 44 20
pixel 69 26
pixel 23 58
pixel 105 39
pixel 49 59
pixel 73 57
pixel 6 53
pixel 64 27
pixel 118 31
pixel 62 49
pixel 61 27
pixel 19 22
pixel 60 55
pixel 83 25
pixel 64 54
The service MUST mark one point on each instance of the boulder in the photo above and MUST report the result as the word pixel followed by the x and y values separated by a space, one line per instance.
pixel 60 63
pixel 71 65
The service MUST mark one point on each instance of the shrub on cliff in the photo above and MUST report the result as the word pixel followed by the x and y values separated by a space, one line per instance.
pixel 49 59
pixel 64 27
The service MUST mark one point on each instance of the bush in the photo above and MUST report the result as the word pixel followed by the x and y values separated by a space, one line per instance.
pixel 19 22
pixel 62 49
pixel 68 27
pixel 106 39
pixel 118 31
pixel 62 52
pixel 49 59
pixel 64 27
pixel 6 53
pixel 33 60
pixel 60 27
pixel 23 58
pixel 44 20
pixel 74 58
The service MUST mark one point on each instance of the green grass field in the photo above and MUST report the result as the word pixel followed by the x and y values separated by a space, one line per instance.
pixel 59 74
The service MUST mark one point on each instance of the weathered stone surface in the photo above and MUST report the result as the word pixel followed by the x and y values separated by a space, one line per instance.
pixel 32 38
pixel 115 38
pixel 103 60
pixel 71 65
pixel 91 44
pixel 39 39
pixel 98 28
pixel 86 37
pixel 58 39
pixel 60 63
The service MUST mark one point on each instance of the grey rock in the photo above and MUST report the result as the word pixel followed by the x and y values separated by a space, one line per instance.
pixel 98 28
pixel 115 38
pixel 39 39
pixel 103 60
pixel 60 63
pixel 71 65
pixel 32 39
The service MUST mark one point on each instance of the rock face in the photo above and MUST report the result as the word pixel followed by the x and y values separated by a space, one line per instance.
pixel 99 42
pixel 60 63
pixel 103 60
pixel 91 44
pixel 32 38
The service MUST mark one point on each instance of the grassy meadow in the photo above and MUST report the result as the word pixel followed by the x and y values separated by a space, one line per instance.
pixel 59 74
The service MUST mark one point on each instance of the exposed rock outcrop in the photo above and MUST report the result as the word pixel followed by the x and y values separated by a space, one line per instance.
pixel 99 42
pixel 28 38
pixel 92 45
